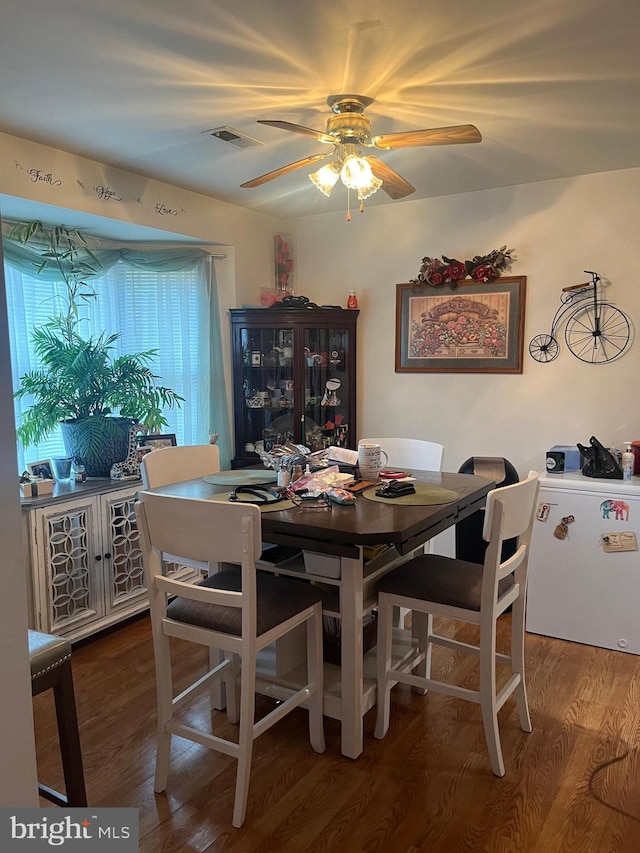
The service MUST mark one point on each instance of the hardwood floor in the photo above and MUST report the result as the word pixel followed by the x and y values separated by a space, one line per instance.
pixel 571 785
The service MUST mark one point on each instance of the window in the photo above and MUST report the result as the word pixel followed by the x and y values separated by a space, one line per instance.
pixel 165 311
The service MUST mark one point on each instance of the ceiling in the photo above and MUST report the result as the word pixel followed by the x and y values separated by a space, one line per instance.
pixel 553 86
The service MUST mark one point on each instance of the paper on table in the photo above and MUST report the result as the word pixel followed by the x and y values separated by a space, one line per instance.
pixel 342 454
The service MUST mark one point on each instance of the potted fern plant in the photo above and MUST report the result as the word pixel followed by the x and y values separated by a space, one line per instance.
pixel 94 395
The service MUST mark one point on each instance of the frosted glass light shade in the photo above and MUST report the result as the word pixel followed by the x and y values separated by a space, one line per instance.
pixel 325 178
pixel 357 175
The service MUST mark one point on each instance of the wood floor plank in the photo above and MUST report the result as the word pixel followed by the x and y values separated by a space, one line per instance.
pixel 571 786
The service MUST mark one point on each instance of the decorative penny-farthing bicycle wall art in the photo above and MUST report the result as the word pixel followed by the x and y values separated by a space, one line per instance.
pixel 595 331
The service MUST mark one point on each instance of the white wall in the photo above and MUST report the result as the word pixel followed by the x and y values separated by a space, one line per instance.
pixel 558 229
pixel 18 781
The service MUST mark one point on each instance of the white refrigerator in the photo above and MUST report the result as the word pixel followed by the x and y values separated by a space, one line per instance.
pixel 585 587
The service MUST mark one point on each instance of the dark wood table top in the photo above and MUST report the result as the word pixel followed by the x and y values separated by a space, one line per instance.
pixel 343 528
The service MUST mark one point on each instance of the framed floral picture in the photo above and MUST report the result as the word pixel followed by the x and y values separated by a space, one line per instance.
pixel 475 328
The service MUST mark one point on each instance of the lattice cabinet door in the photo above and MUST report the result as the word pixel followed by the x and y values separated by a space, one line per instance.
pixel 85 563
pixel 122 557
pixel 68 587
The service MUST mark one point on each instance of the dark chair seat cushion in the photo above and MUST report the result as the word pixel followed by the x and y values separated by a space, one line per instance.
pixel 47 651
pixel 278 600
pixel 444 580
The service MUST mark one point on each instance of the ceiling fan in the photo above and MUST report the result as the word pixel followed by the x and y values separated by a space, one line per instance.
pixel 349 131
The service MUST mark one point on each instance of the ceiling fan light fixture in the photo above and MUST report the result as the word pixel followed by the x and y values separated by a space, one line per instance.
pixel 348 129
pixel 325 178
pixel 356 174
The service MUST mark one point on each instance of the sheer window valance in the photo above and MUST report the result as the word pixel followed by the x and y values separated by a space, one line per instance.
pixel 27 259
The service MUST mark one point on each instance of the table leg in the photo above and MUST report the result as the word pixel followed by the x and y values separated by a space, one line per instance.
pixel 351 601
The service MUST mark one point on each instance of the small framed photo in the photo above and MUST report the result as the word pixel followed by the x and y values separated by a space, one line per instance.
pixel 41 469
pixel 155 442
pixel 141 451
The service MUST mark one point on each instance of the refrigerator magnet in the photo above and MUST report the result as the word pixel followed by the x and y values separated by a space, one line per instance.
pixel 543 511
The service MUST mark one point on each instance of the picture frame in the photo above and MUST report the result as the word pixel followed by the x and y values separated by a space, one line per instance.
pixel 141 452
pixel 476 328
pixel 42 469
pixel 159 440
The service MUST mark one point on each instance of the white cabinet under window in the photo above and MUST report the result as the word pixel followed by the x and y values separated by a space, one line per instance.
pixel 84 560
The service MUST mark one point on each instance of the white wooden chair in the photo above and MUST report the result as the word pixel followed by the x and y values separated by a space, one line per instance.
pixel 443 586
pixel 417 454
pixel 177 464
pixel 238 612
pixel 411 452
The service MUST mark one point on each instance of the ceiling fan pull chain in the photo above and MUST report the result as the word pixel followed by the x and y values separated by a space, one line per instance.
pixel 348 205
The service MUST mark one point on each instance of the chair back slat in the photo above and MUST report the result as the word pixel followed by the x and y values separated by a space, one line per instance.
pixel 517 502
pixel 177 464
pixel 515 560
pixel 201 530
pixel 224 597
pixel 411 452
pixel 509 514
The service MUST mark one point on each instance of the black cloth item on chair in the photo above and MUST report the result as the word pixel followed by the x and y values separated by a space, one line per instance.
pixel 470 545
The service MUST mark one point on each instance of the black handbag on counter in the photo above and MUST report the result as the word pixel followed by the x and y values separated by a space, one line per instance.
pixel 600 462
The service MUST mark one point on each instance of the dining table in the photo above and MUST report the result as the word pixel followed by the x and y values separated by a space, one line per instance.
pixel 369 539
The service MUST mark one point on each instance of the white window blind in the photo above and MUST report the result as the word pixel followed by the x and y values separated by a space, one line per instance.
pixel 165 311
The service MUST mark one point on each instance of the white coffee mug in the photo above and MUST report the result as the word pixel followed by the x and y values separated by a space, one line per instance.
pixel 370 460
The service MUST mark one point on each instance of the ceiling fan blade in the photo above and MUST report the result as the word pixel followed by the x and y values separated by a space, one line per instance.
pixel 455 135
pixel 318 135
pixel 283 170
pixel 393 184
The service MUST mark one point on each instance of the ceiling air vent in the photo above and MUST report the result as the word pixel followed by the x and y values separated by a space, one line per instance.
pixel 233 137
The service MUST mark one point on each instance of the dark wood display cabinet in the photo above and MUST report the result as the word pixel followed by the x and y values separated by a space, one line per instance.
pixel 294 375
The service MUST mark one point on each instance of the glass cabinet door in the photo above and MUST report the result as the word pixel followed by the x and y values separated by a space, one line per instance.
pixel 327 389
pixel 267 386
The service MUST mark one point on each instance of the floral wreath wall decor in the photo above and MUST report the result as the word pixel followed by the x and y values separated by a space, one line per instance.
pixel 436 272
